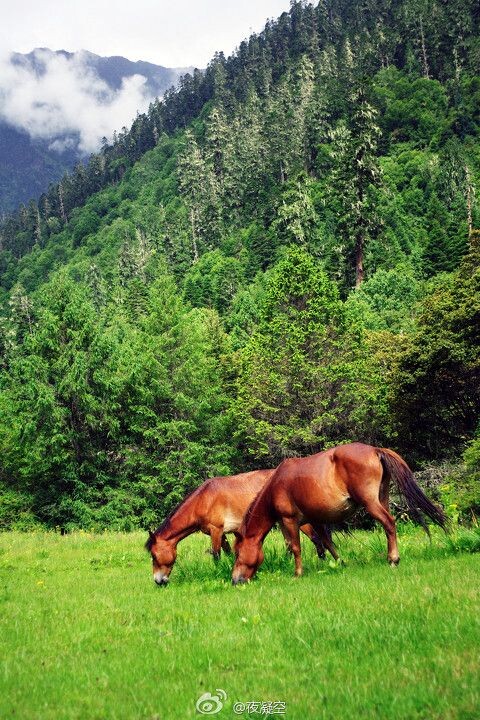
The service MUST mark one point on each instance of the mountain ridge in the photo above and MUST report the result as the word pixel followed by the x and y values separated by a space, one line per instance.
pixel 158 75
pixel 28 163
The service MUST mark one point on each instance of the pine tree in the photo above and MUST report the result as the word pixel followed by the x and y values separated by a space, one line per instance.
pixel 21 314
pixel 249 160
pixel 218 152
pixel 199 189
pixel 296 219
pixel 97 286
pixel 279 121
pixel 355 176
pixel 303 92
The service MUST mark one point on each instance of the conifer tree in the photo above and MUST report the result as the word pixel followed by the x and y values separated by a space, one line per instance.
pixel 355 176
pixel 199 188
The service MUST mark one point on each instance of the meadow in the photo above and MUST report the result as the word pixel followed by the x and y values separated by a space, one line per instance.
pixel 86 635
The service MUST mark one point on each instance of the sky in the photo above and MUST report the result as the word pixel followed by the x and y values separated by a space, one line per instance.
pixel 177 33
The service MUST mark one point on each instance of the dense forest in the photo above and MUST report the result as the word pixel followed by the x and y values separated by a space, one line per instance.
pixel 282 255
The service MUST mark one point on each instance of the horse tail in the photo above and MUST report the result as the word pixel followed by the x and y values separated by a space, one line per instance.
pixel 418 503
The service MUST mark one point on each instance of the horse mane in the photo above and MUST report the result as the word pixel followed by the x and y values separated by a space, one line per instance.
pixel 249 512
pixel 166 523
pixel 252 507
pixel 149 544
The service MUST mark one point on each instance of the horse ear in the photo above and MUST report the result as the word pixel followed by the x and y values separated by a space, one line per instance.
pixel 151 540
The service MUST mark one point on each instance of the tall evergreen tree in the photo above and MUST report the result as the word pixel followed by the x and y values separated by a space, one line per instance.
pixel 355 176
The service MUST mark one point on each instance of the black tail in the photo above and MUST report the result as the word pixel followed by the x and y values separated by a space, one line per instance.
pixel 418 503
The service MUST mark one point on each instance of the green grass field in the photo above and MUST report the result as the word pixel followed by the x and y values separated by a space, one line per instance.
pixel 85 634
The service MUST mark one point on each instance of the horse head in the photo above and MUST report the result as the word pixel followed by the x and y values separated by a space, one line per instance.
pixel 164 554
pixel 248 557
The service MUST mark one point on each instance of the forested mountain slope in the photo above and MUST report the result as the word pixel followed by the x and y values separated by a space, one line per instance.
pixel 279 257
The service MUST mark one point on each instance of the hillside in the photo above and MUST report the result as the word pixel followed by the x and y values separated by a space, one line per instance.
pixel 33 154
pixel 27 167
pixel 279 257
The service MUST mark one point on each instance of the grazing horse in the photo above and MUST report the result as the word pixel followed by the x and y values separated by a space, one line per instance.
pixel 327 488
pixel 215 508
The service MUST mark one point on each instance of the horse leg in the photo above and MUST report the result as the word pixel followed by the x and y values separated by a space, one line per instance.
pixel 384 494
pixel 287 536
pixel 226 545
pixel 216 534
pixel 312 535
pixel 378 511
pixel 291 534
pixel 324 534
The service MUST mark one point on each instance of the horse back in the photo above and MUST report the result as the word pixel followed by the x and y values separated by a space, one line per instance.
pixel 223 501
pixel 324 485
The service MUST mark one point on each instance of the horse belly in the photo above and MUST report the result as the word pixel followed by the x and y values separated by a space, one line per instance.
pixel 327 504
pixel 340 509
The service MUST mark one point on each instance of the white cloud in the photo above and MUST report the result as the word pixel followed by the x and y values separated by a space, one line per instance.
pixel 67 99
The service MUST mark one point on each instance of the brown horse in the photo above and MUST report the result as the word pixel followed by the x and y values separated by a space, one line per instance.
pixel 215 508
pixel 328 488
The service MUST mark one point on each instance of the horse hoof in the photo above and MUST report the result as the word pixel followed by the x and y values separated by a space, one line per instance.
pixel 394 563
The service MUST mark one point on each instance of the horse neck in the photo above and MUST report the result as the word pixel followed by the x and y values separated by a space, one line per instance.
pixel 182 522
pixel 260 517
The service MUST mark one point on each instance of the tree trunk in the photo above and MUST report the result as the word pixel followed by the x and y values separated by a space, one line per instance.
pixel 469 201
pixel 194 235
pixel 426 69
pixel 62 207
pixel 359 271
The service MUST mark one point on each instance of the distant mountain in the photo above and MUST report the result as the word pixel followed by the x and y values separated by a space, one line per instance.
pixel 110 69
pixel 39 141
pixel 27 167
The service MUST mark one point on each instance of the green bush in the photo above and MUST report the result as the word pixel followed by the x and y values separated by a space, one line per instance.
pixel 16 510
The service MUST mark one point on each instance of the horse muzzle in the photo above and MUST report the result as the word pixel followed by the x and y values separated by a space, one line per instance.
pixel 160 579
pixel 239 580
